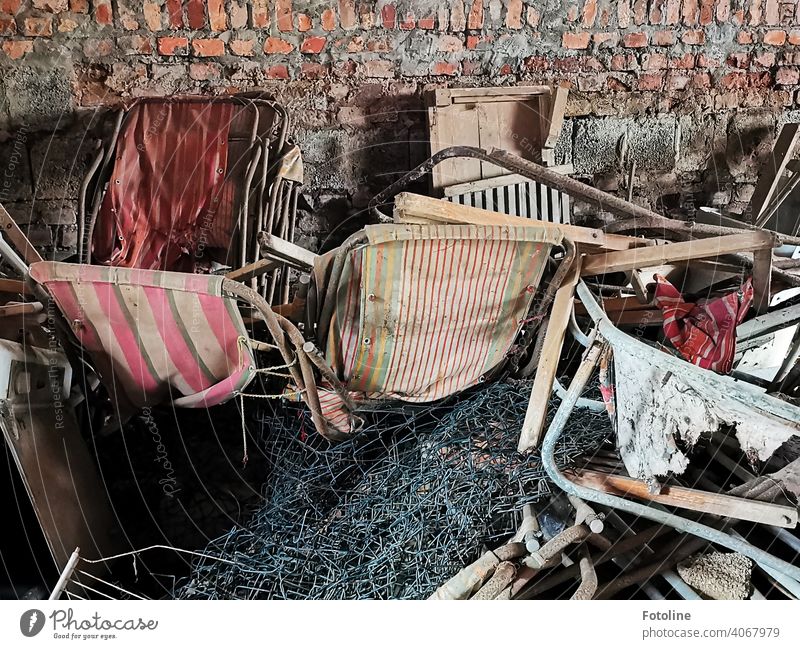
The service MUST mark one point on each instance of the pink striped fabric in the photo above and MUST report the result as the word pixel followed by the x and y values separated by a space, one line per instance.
pixel 704 333
pixel 425 311
pixel 154 336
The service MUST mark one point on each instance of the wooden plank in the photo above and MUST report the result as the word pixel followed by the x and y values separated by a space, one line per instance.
pixel 762 280
pixel 773 168
pixel 768 323
pixel 548 361
pixel 413 208
pixel 497 181
pixel 448 126
pixel 10 229
pixel 693 499
pixel 672 252
pixel 13 286
pixel 252 270
pixel 20 308
pixel 558 104
pixel 281 250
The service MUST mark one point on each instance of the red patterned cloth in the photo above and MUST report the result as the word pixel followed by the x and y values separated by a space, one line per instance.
pixel 704 333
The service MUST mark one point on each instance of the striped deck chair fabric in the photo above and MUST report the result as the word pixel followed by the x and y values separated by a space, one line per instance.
pixel 154 336
pixel 425 311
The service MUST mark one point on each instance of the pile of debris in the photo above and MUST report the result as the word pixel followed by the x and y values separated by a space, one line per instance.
pixel 434 452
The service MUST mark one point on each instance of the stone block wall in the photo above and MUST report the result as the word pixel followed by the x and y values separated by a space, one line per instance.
pixel 696 87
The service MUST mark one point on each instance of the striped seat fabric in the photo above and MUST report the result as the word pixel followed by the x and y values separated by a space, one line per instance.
pixel 425 311
pixel 154 336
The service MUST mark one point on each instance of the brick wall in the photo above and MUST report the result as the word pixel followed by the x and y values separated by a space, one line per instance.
pixel 698 86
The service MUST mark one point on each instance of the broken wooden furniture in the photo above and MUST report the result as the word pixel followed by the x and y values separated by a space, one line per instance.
pixel 642 400
pixel 186 183
pixel 420 312
pixel 773 188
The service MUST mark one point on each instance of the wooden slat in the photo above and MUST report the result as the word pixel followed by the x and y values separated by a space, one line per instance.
pixel 773 168
pixel 548 361
pixel 278 249
pixel 683 251
pixel 252 270
pixel 762 280
pixel 693 499
pixel 10 229
pixel 13 286
pixel 558 105
pixel 420 209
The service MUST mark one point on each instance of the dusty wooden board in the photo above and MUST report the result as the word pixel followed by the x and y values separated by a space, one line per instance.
pixel 10 230
pixel 773 169
pixel 693 499
pixel 674 252
pixel 281 250
pixel 542 389
pixel 252 270
pixel 427 209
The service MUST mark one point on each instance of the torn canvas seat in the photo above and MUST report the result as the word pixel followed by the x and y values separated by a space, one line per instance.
pixel 183 184
pixel 154 337
pixel 421 312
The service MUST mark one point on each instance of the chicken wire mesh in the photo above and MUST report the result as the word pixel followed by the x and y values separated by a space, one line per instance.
pixel 395 511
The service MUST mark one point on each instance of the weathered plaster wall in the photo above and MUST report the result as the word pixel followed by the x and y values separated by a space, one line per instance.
pixel 698 85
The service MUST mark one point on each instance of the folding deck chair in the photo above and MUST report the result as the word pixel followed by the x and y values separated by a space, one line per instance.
pixel 186 183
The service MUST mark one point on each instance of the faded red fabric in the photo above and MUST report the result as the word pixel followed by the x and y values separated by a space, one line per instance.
pixel 167 197
pixel 704 333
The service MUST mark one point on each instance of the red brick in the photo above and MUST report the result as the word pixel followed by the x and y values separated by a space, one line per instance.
pixel 755 11
pixel 611 38
pixel 241 47
pixel 458 19
pixel 408 23
pixel 102 12
pixel 764 59
pixel 136 44
pixel 17 49
pixel 701 80
pixel 635 39
pixel 623 14
pixel 428 22
pixel 690 12
pixel 706 62
pixel 171 45
pixel 677 81
pixel 66 25
pixel 379 69
pixel 640 12
pixel 589 14
pixel 389 16
pixel 650 82
pixel 694 37
pixel 575 40
pixel 196 12
pixel 445 68
pixel 208 47
pixel 304 22
pixel 10 6
pixel 367 17
pixel 739 60
pixel 759 79
pixel 313 71
pixel 217 18
pixel 732 81
pixel 347 14
pixel 621 62
pixel 471 68
pixel 772 12
pixel 38 26
pixel 657 11
pixel 723 10
pixel 347 68
pixel 96 48
pixel 572 13
pixel 380 45
pixel 706 12
pixel 664 38
pixel 475 16
pixel 328 19
pixel 787 76
pixel 447 43
pixel 514 13
pixel 277 72
pixel 260 13
pixel 744 38
pixel 277 46
pixel 152 15
pixel 283 13
pixel 313 44
pixel 533 17
pixel 204 71
pixel 175 13
pixel 684 62
pixel 673 12
pixel 8 26
pixel 775 37
pixel 655 61
pixel 79 6
pixel 794 37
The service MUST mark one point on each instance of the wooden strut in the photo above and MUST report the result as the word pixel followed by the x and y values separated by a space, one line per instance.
pixel 693 499
pixel 9 227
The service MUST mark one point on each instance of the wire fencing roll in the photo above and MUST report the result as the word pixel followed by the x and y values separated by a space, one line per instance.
pixel 420 492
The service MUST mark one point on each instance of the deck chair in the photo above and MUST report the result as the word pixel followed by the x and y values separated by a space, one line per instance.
pixel 420 312
pixel 183 184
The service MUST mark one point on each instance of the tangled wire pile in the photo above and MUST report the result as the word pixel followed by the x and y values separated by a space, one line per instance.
pixel 392 513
